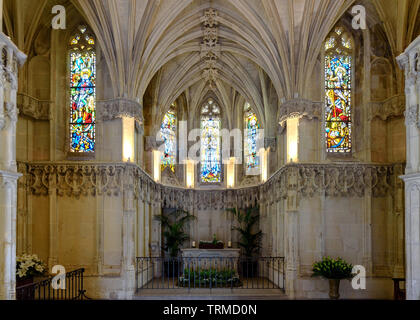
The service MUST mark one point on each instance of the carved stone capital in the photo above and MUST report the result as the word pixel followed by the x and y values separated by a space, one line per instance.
pixel 299 108
pixel 120 107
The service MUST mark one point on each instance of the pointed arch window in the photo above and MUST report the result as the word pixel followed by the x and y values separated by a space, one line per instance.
pixel 338 91
pixel 251 125
pixel 168 130
pixel 211 170
pixel 82 91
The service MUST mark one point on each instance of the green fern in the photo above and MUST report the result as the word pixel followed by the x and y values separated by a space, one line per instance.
pixel 174 234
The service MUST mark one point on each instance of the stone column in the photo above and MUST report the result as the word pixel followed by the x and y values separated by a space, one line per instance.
pixel 410 62
pixel 128 234
pixel 11 57
pixel 291 234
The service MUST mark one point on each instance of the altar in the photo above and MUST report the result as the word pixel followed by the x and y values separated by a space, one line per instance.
pixel 228 253
pixel 211 258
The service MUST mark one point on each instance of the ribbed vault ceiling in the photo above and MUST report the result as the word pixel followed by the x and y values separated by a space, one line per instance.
pixel 263 44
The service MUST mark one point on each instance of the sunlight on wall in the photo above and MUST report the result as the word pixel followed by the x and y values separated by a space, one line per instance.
pixel 264 164
pixel 128 139
pixel 231 172
pixel 156 165
pixel 292 139
pixel 190 173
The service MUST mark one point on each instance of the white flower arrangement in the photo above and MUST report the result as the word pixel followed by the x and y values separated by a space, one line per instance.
pixel 28 265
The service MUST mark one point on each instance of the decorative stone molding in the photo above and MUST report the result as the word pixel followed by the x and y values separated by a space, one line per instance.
pixel 32 107
pixel 290 182
pixel 11 57
pixel 120 107
pixel 169 178
pixel 411 115
pixel 299 108
pixel 335 179
pixel 249 180
pixel 210 48
pixel 392 107
pixel 11 111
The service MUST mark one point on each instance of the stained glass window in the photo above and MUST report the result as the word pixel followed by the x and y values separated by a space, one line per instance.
pixel 252 125
pixel 168 135
pixel 338 78
pixel 82 91
pixel 211 169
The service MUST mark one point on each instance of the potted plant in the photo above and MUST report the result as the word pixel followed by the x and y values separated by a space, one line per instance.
pixel 250 240
pixel 27 267
pixel 334 270
pixel 174 235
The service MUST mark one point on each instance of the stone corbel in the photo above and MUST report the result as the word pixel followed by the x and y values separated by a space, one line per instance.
pixel 270 142
pixel 298 108
pixel 32 107
pixel 150 143
pixel 392 107
pixel 120 107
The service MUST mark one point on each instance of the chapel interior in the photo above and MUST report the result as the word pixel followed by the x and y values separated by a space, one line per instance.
pixel 118 117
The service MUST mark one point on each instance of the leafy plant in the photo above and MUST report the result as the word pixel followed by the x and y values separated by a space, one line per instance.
pixel 28 266
pixel 173 230
pixel 204 277
pixel 250 241
pixel 332 268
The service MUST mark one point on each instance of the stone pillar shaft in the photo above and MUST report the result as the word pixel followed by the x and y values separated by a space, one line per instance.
pixel 10 58
pixel 410 62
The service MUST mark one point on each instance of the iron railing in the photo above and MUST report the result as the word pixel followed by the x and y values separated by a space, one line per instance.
pixel 210 272
pixel 43 290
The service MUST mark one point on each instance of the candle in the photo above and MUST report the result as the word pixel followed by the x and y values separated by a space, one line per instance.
pixel 193 244
pixel 229 244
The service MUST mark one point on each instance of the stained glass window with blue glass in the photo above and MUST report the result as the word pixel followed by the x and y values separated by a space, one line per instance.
pixel 338 95
pixel 211 167
pixel 82 92
pixel 168 135
pixel 252 125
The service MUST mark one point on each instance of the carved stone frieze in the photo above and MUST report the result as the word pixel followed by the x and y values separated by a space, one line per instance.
pixel 291 182
pixel 168 177
pixel 249 180
pixel 32 107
